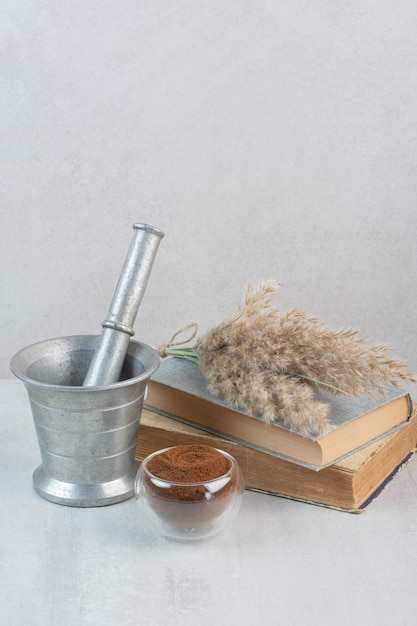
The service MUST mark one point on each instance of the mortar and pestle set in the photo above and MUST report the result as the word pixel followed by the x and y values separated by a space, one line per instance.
pixel 86 394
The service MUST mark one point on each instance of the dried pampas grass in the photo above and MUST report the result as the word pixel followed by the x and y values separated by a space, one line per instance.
pixel 271 364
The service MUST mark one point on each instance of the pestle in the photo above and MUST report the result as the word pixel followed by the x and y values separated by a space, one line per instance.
pixel 107 362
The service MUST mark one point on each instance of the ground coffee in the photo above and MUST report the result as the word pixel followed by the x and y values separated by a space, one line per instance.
pixel 184 504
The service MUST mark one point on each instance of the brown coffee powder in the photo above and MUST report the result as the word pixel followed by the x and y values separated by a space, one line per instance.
pixel 187 464
pixel 183 504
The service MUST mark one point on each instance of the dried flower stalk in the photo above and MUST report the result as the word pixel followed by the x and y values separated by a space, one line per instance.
pixel 271 365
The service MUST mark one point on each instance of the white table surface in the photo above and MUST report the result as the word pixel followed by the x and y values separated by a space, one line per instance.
pixel 282 563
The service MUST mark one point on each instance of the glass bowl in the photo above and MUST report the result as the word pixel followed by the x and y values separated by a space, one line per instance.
pixel 189 510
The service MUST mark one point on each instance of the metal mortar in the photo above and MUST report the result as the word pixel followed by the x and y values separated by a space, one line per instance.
pixel 87 435
pixel 86 394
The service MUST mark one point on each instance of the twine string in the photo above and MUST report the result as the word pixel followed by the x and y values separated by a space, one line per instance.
pixel 175 342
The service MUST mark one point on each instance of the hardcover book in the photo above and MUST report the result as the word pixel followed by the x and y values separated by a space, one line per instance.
pixel 179 390
pixel 349 485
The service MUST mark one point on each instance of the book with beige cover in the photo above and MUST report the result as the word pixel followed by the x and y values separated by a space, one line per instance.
pixel 179 390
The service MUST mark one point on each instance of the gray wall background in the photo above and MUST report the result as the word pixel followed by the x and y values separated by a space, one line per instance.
pixel 268 139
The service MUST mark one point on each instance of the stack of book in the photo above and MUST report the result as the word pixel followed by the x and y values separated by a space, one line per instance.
pixel 366 444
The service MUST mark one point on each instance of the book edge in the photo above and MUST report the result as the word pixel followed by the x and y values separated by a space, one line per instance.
pixel 254 446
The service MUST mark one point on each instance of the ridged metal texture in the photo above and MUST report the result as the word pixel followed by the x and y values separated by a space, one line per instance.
pixel 87 435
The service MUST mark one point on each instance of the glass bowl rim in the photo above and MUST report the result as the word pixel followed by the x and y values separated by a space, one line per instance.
pixel 143 468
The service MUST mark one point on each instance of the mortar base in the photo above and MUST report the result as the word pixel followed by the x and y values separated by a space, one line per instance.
pixel 90 495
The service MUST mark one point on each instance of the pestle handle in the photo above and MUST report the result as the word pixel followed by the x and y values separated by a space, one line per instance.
pixel 107 362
